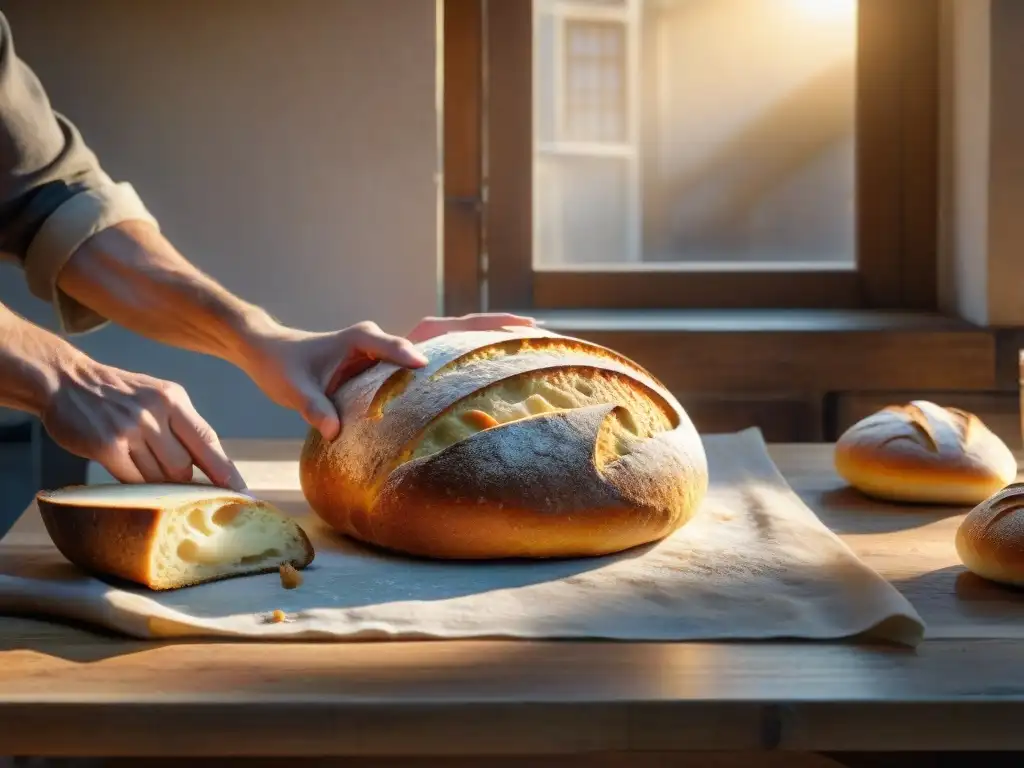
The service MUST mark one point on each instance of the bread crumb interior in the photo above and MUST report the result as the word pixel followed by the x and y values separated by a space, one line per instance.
pixel 213 539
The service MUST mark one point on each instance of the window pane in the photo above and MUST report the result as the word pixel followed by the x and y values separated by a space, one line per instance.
pixel 579 203
pixel 694 131
pixel 594 104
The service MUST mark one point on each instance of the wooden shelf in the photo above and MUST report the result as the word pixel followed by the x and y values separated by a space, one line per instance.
pixel 805 351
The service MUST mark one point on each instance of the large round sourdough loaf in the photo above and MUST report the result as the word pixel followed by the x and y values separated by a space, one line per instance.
pixel 508 444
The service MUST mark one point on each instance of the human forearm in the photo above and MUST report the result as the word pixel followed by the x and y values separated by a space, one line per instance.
pixel 132 275
pixel 138 427
pixel 31 361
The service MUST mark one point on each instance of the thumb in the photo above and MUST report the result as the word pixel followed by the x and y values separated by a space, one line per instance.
pixel 320 413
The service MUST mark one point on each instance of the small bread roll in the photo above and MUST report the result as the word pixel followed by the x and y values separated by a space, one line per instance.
pixel 924 453
pixel 990 540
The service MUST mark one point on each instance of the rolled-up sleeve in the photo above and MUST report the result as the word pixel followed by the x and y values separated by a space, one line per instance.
pixel 54 195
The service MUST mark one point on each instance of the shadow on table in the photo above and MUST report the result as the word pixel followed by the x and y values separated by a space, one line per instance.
pixel 953 598
pixel 66 639
pixel 961 583
pixel 971 587
pixel 850 511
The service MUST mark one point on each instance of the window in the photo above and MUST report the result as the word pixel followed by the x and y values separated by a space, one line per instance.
pixel 586 165
pixel 706 153
pixel 594 107
pixel 747 119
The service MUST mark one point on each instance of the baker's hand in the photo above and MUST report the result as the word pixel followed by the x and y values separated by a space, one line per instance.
pixel 141 429
pixel 301 370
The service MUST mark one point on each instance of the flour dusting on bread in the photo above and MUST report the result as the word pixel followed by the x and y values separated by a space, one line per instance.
pixel 424 447
pixel 921 452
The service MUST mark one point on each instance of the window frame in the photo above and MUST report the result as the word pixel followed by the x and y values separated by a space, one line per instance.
pixel 488 169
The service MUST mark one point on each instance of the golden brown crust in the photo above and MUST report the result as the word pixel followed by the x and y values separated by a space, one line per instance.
pixel 610 462
pixel 103 540
pixel 466 507
pixel 117 540
pixel 883 464
pixel 924 453
pixel 990 539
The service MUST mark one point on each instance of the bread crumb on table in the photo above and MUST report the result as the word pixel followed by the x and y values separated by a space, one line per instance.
pixel 290 578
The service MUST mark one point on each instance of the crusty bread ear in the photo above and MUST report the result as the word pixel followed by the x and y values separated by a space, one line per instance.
pixel 167 536
pixel 522 443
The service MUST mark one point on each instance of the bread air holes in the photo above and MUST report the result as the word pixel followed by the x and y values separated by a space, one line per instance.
pixel 206 525
pixel 227 515
pixel 626 419
pixel 191 551
pixel 199 523
pixel 269 554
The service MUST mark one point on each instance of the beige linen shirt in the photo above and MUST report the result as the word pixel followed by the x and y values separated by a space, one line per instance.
pixel 54 195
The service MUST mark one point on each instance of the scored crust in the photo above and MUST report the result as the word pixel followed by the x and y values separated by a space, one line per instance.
pixel 170 536
pixel 990 539
pixel 517 443
pixel 924 453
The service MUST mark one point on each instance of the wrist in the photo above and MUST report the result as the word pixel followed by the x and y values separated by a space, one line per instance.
pixel 35 369
pixel 249 332
pixel 38 383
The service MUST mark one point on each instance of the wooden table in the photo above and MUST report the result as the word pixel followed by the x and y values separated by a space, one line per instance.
pixel 67 691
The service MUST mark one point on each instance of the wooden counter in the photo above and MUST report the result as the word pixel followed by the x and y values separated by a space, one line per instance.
pixel 70 691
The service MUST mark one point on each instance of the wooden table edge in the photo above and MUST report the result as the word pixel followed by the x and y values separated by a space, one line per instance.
pixel 427 728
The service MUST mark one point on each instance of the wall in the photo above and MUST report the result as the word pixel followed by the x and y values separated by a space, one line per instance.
pixel 964 131
pixel 983 159
pixel 289 148
pixel 1006 198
